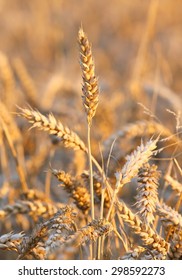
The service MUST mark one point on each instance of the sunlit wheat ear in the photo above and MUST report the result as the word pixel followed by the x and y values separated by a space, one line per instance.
pixel 135 161
pixel 90 84
pixel 147 195
pixel 78 192
pixel 149 237
pixel 61 225
pixel 175 252
pixel 69 138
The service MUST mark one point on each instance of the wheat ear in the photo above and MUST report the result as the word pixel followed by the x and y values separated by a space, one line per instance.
pixel 90 86
pixel 69 138
pixel 90 98
pixel 147 234
pixel 147 195
pixel 136 160
pixel 78 192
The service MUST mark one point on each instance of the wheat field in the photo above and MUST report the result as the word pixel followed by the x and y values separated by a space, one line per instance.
pixel 90 130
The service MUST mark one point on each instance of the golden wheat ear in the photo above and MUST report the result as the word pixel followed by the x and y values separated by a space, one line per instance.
pixel 90 88
pixel 48 123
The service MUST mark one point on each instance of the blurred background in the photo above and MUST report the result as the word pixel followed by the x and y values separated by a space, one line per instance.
pixel 135 43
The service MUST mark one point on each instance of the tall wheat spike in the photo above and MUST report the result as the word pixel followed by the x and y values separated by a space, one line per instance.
pixel 90 85
pixel 90 97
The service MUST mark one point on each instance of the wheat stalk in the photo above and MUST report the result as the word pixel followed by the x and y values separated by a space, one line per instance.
pixel 30 242
pixel 8 81
pixel 90 98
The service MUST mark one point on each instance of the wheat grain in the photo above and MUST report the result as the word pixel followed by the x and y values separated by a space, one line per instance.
pixel 10 241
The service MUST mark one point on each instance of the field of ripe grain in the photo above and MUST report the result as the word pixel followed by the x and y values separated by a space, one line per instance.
pixel 90 129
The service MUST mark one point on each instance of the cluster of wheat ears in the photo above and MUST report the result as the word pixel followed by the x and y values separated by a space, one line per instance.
pixel 95 222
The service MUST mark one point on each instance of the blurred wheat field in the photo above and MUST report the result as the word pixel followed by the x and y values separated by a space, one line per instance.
pixel 90 130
